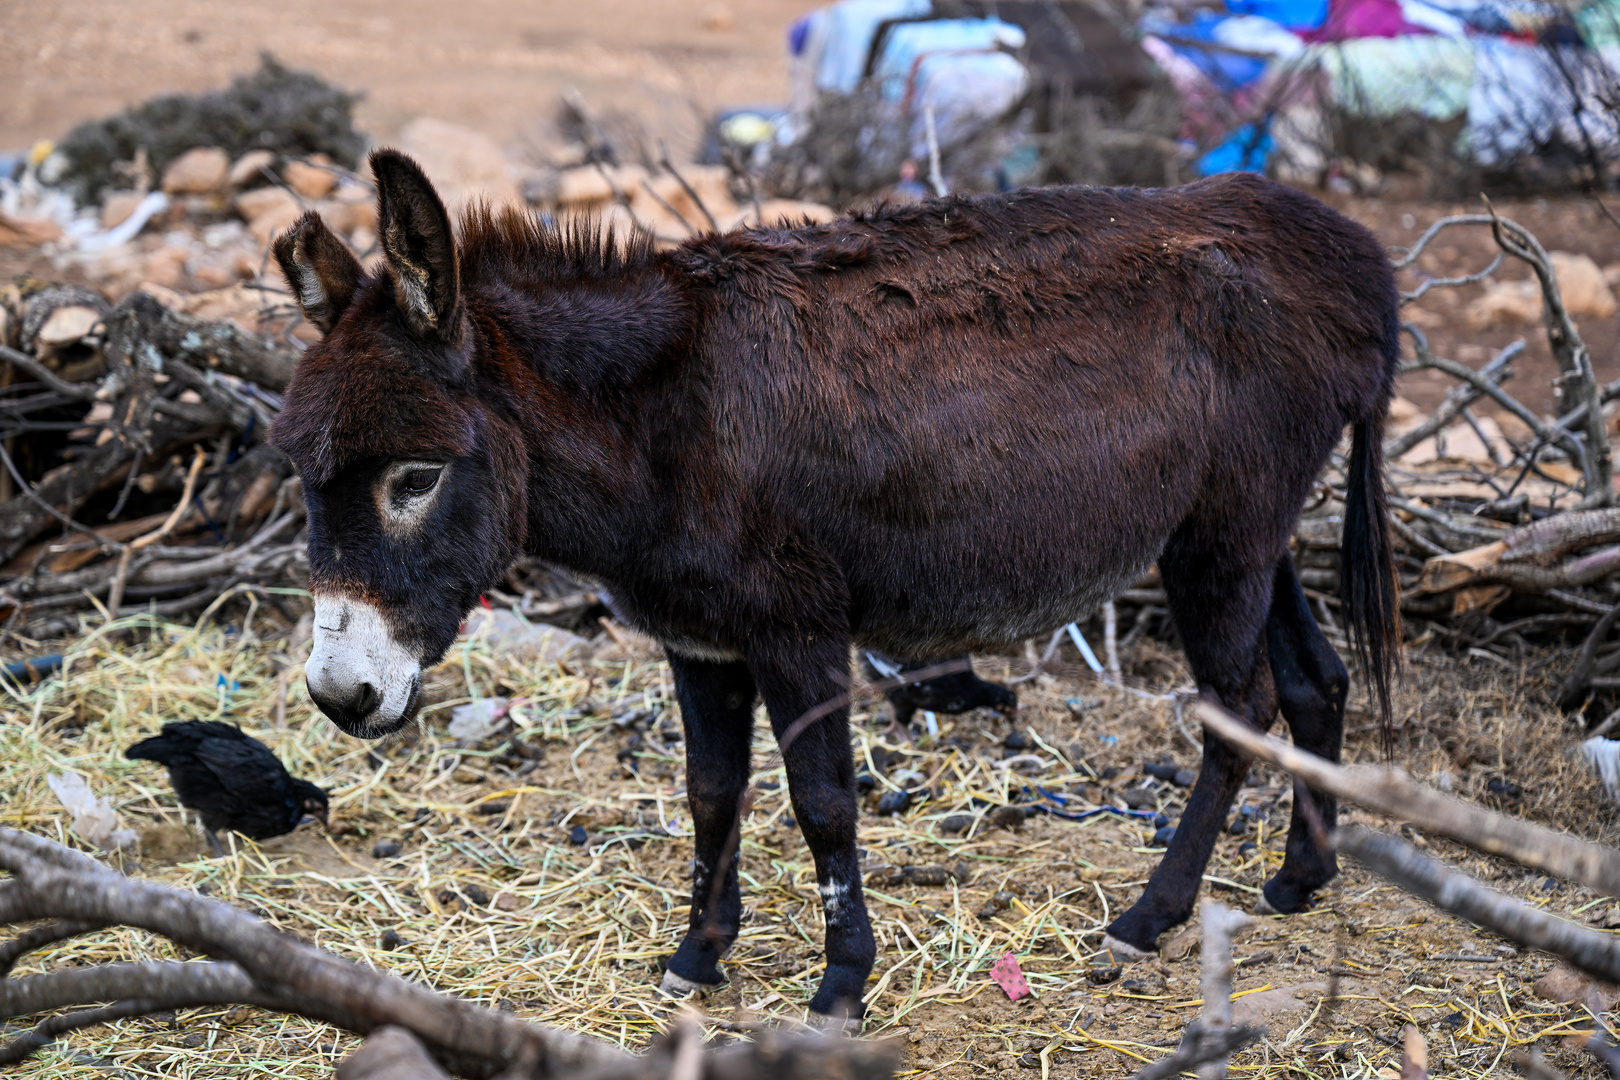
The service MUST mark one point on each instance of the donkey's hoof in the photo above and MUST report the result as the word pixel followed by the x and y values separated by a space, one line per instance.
pixel 675 986
pixel 1124 950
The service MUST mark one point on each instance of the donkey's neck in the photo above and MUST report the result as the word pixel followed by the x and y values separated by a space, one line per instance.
pixel 577 369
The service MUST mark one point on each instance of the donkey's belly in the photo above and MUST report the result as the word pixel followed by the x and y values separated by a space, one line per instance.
pixel 985 616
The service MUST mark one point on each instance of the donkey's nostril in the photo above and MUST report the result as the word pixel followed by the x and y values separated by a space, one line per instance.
pixel 366 700
pixel 351 714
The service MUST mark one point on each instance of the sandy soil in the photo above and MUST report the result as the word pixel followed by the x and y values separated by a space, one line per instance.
pixel 495 66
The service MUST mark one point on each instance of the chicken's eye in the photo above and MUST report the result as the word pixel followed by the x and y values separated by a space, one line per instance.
pixel 417 482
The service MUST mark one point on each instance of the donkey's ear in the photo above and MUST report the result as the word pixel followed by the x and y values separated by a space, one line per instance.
pixel 416 237
pixel 320 269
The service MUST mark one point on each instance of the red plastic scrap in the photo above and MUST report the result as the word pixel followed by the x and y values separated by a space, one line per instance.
pixel 1010 977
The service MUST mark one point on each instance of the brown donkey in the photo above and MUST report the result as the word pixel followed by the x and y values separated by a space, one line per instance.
pixel 928 430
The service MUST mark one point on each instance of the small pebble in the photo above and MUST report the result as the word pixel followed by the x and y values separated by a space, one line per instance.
pixel 1238 825
pixel 1140 799
pixel 385 849
pixel 1247 847
pixel 1160 821
pixel 893 802
pixel 1159 771
pixel 390 940
pixel 1006 817
pixel 578 836
pixel 1162 837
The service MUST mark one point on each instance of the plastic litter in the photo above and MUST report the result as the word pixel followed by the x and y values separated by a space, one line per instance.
pixel 94 819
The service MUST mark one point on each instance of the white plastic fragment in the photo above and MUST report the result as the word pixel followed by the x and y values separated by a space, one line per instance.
pixel 94 819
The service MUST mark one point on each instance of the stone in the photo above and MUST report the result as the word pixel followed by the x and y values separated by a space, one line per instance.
pixel 249 168
pixel 26 231
pixel 310 180
pixel 464 165
pixel 117 206
pixel 717 18
pixel 266 227
pixel 1582 285
pixel 583 186
pixel 198 171
pixel 1565 985
pixel 166 266
pixel 261 201
pixel 66 325
pixel 349 210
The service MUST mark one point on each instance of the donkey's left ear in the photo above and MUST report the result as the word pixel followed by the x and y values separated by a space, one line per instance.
pixel 322 271
pixel 416 238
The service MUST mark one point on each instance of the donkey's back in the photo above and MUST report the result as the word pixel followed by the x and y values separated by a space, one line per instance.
pixel 995 412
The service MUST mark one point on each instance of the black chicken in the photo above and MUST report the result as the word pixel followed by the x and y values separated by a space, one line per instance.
pixel 956 692
pixel 233 781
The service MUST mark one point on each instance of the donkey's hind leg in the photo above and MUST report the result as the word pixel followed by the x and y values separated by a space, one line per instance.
pixel 1311 685
pixel 717 711
pixel 1220 610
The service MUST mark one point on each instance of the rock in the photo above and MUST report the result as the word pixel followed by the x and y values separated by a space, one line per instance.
pixel 27 232
pixel 1184 778
pixel 1159 771
pixel 505 901
pixel 197 172
pixel 717 18
pixel 930 876
pixel 349 211
pixel 1181 945
pixel 249 168
pixel 1582 285
pixel 310 180
pixel 1017 740
pixel 783 214
pixel 1006 817
pixel 582 186
pixel 1139 798
pixel 117 206
pixel 893 802
pixel 166 266
pixel 261 201
pixel 385 849
pixel 1565 985
pixel 465 165
pixel 67 325
pixel 465 775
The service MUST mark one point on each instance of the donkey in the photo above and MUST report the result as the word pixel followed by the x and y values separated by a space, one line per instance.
pixel 926 430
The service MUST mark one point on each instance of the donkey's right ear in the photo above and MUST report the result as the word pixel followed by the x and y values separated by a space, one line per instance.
pixel 319 267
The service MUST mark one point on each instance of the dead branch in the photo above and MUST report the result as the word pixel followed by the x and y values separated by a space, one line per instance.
pixel 1595 953
pixel 115 592
pixel 1220 923
pixel 1198 1047
pixel 1460 397
pixel 1578 385
pixel 253 964
pixel 1524 557
pixel 1391 791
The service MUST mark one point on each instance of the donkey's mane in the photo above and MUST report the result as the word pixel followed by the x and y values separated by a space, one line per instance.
pixel 518 245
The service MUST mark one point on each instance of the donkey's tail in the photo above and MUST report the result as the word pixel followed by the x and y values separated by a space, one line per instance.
pixel 1368 585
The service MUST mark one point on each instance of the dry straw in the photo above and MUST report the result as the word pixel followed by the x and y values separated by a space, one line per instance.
pixel 490 900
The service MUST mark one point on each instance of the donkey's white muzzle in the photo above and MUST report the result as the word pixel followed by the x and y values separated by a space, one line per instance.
pixel 364 680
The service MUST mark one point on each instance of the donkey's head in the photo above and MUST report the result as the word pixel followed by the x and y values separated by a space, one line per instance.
pixel 414 488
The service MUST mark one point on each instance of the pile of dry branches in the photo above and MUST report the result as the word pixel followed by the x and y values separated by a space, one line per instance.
pixel 135 473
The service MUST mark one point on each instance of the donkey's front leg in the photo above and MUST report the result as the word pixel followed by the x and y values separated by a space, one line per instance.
pixel 800 684
pixel 717 710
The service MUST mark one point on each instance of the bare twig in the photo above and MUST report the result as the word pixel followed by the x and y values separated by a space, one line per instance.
pixel 1391 791
pixel 115 594
pixel 1220 923
pixel 1595 953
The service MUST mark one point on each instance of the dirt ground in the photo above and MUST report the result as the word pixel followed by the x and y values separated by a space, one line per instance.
pixel 492 898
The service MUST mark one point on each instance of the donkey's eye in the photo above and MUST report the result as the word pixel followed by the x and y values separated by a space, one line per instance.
pixel 417 482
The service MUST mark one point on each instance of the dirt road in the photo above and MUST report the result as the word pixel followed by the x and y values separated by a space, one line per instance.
pixel 495 66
